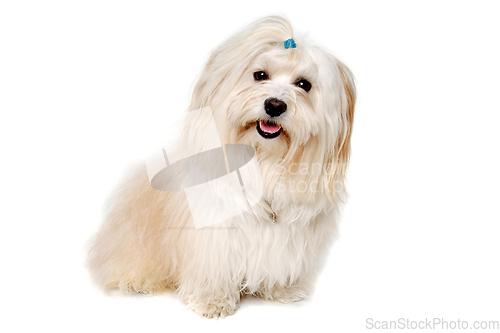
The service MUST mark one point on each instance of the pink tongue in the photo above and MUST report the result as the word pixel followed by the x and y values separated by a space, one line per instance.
pixel 269 128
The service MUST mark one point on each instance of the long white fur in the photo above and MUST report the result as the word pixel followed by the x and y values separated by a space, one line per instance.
pixel 148 242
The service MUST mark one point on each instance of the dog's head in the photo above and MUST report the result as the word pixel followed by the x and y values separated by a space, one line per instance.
pixel 293 102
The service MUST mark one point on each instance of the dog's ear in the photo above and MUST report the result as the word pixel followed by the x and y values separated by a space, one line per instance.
pixel 206 84
pixel 339 155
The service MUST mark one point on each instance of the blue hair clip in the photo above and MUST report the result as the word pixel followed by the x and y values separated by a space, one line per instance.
pixel 290 43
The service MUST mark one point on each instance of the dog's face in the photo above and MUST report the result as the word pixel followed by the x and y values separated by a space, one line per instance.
pixel 294 106
pixel 276 103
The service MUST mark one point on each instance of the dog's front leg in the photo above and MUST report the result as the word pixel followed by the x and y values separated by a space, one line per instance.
pixel 209 281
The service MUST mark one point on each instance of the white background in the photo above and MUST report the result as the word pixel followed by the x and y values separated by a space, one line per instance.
pixel 86 87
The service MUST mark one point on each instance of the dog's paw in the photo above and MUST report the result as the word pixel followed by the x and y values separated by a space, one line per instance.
pixel 213 307
pixel 283 294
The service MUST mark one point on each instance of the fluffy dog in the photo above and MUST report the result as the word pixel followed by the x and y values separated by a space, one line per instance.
pixel 293 103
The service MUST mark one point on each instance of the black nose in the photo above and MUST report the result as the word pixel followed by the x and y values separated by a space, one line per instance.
pixel 274 107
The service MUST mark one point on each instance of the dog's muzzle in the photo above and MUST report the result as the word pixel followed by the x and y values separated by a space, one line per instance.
pixel 269 128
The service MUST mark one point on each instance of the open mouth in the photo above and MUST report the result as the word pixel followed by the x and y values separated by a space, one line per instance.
pixel 268 129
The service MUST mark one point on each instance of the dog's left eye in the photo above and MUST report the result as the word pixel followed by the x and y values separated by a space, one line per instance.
pixel 304 84
pixel 260 76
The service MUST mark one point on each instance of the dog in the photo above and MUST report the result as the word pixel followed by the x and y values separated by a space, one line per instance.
pixel 293 104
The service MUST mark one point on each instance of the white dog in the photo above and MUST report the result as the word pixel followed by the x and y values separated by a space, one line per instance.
pixel 293 103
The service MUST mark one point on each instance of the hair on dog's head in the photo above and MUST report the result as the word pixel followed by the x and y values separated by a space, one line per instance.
pixel 294 105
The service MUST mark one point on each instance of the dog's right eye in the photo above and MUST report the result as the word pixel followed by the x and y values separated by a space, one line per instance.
pixel 260 76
